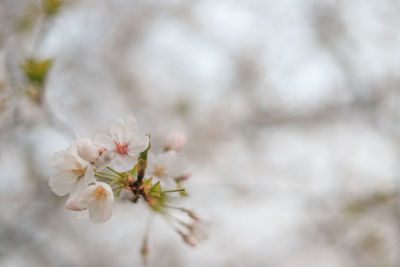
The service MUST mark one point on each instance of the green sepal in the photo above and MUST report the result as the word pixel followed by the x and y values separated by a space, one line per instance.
pixel 142 162
pixel 134 172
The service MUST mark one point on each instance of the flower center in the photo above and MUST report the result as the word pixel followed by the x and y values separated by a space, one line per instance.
pixel 160 171
pixel 121 149
pixel 99 193
pixel 79 171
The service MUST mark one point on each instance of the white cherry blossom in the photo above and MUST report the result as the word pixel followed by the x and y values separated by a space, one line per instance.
pixel 95 154
pixel 124 144
pixel 97 198
pixel 164 165
pixel 73 173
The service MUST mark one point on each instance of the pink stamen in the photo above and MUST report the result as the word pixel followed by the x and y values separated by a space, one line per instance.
pixel 121 149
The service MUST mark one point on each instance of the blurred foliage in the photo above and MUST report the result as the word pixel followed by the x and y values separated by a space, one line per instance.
pixel 51 7
pixel 26 22
pixel 36 71
pixel 3 100
pixel 358 207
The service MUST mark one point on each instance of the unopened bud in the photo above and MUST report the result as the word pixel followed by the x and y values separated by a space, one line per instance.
pixel 186 176
pixel 87 150
pixel 189 239
pixel 130 179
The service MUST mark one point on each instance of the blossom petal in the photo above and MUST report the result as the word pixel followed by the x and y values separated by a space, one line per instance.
pixel 130 128
pixel 62 183
pixel 75 204
pixel 100 211
pixel 63 160
pixel 118 131
pixel 104 141
pixel 89 175
pixel 123 162
pixel 104 160
pixel 138 144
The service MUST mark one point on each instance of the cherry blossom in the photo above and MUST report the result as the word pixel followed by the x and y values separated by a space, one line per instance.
pixel 94 171
pixel 88 150
pixel 73 173
pixel 124 144
pixel 164 165
pixel 97 198
pixel 95 154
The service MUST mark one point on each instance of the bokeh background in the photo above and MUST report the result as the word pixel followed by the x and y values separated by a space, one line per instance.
pixel 291 107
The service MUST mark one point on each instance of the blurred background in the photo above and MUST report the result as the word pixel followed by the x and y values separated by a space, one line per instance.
pixel 291 108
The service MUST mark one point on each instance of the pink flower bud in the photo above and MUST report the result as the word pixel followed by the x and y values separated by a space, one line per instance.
pixel 186 176
pixel 87 150
pixel 189 239
pixel 175 140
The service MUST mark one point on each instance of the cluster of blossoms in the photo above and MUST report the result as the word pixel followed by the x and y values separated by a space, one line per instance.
pixel 96 171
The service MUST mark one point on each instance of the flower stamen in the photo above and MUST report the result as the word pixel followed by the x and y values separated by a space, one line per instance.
pixel 121 149
pixel 99 193
pixel 160 171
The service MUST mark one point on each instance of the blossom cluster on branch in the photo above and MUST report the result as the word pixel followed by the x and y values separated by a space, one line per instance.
pixel 93 172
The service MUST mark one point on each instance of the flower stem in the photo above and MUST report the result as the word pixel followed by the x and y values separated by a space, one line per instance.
pixel 109 174
pixel 103 177
pixel 115 181
pixel 172 207
pixel 174 190
pixel 114 171
pixel 118 189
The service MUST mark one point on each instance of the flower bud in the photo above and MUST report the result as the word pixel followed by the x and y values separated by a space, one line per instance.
pixel 186 176
pixel 87 150
pixel 189 239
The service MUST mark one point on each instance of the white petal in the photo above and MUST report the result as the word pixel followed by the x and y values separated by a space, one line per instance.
pixel 63 160
pixel 131 123
pixel 118 131
pixel 62 183
pixel 130 128
pixel 100 210
pixel 86 196
pixel 89 175
pixel 105 141
pixel 75 204
pixel 124 162
pixel 104 160
pixel 138 144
